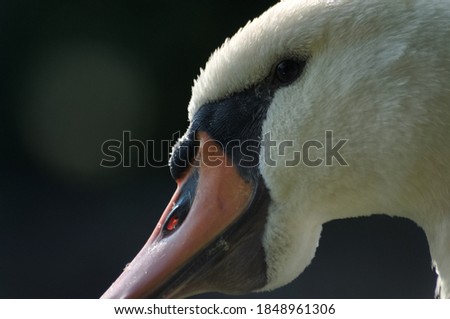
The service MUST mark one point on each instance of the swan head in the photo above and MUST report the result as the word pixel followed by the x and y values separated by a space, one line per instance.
pixel 298 119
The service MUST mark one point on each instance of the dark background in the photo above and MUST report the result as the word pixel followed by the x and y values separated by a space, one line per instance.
pixel 76 73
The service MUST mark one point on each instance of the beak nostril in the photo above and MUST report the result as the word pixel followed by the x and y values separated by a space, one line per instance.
pixel 172 223
pixel 176 216
pixel 183 204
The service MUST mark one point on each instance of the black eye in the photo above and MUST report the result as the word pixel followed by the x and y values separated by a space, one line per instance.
pixel 287 71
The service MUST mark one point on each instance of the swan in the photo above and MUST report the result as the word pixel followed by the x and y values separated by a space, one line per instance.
pixel 314 111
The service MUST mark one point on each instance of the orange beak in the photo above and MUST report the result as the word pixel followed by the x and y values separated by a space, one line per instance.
pixel 199 231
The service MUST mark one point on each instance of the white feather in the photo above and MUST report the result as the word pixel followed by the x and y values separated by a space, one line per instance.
pixel 378 75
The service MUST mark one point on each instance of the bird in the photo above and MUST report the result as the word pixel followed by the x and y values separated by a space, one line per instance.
pixel 316 110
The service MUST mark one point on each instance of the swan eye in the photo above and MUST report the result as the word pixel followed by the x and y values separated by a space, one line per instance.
pixel 287 71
